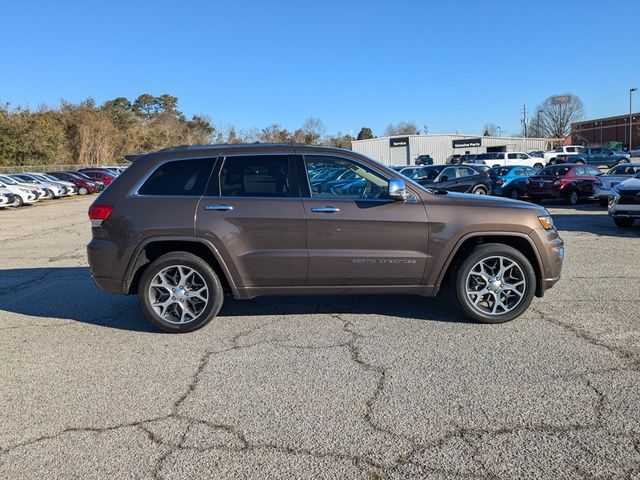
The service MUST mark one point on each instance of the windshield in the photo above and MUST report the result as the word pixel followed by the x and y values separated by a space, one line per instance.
pixel 8 181
pixel 555 170
pixel 499 171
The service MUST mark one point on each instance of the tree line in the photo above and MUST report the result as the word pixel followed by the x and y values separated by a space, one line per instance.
pixel 90 134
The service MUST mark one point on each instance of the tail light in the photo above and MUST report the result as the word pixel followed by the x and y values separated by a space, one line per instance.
pixel 99 213
pixel 563 183
pixel 500 181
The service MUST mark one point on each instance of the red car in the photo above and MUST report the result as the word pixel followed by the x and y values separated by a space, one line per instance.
pixel 568 181
pixel 99 175
pixel 84 186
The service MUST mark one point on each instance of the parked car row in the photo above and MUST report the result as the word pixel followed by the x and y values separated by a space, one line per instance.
pixel 571 182
pixel 26 188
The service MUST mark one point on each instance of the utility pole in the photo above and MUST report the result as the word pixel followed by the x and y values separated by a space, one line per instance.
pixel 524 119
pixel 631 90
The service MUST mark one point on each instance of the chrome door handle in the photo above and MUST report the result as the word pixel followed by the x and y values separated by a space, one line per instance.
pixel 218 207
pixel 325 209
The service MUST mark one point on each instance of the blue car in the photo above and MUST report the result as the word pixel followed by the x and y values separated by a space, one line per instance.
pixel 509 181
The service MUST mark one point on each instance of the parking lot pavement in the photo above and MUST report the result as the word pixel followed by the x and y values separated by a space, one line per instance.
pixel 334 387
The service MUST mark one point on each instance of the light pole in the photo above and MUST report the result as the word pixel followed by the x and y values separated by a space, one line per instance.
pixel 631 90
pixel 499 131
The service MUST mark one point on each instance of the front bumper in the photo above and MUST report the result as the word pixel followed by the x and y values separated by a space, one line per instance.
pixel 550 248
pixel 631 211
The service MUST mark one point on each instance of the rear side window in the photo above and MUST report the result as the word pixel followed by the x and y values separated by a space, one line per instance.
pixel 256 176
pixel 179 178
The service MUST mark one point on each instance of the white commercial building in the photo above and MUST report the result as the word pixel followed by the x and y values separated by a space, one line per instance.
pixel 404 149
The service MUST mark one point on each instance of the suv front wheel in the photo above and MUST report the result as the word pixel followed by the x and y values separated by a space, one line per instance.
pixel 495 283
pixel 180 292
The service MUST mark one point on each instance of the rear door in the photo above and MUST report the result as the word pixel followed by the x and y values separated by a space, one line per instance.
pixel 466 179
pixel 252 213
pixel 358 237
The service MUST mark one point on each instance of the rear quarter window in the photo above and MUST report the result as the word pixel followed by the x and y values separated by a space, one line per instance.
pixel 179 178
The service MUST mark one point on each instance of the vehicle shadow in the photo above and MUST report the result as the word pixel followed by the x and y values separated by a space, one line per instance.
pixel 62 294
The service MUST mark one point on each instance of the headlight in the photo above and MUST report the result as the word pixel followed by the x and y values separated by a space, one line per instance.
pixel 546 221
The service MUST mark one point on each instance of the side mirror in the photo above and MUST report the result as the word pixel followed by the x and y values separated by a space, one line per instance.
pixel 398 190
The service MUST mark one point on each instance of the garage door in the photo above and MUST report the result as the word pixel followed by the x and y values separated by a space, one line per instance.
pixel 399 155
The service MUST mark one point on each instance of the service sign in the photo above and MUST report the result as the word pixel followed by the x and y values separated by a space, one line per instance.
pixel 399 142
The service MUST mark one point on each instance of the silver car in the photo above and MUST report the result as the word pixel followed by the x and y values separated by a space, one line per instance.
pixel 613 177
pixel 56 189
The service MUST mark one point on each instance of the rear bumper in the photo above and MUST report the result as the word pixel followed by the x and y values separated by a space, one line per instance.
pixel 107 284
pixel 104 260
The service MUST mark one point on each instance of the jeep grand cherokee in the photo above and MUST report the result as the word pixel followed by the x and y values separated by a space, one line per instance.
pixel 184 226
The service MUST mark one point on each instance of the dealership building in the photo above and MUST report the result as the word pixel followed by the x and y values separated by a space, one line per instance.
pixel 612 131
pixel 404 149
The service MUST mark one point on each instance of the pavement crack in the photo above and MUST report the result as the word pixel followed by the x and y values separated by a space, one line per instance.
pixel 622 353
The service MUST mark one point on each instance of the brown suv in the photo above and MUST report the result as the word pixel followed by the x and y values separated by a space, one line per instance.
pixel 184 226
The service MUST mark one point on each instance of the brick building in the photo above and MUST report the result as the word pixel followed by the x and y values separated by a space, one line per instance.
pixel 606 131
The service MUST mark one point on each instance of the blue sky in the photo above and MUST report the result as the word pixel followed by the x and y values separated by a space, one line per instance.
pixel 452 65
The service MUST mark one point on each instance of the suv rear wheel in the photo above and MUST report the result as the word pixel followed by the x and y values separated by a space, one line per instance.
pixel 495 283
pixel 179 292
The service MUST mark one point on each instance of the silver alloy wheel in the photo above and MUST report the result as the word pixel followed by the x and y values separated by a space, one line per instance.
pixel 178 294
pixel 479 191
pixel 495 285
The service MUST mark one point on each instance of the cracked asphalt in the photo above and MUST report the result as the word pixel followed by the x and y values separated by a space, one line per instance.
pixel 333 387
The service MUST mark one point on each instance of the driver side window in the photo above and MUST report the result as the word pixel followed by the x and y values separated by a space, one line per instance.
pixel 336 177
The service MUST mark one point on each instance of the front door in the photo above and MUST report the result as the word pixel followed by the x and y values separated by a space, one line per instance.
pixel 252 213
pixel 355 236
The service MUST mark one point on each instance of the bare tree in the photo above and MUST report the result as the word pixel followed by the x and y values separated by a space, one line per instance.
pixel 314 130
pixel 554 116
pixel 401 128
pixel 490 130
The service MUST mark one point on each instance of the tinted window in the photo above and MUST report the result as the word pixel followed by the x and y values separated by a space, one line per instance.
pixel 180 177
pixel 499 171
pixel 581 171
pixel 354 180
pixel 256 176
pixel 554 170
pixel 466 172
pixel 512 156
pixel 593 171
pixel 519 171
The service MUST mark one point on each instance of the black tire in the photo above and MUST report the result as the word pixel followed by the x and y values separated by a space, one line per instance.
pixel 538 166
pixel 215 298
pixel 465 266
pixel 515 194
pixel 479 190
pixel 623 222
pixel 82 191
pixel 623 160
pixel 579 162
pixel 552 161
pixel 571 197
pixel 19 202
pixel 603 201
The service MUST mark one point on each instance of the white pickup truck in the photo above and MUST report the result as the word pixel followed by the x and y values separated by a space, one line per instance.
pixel 550 155
pixel 500 159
